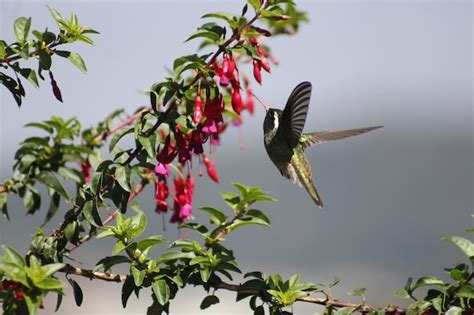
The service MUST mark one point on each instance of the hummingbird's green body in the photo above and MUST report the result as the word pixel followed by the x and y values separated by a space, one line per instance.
pixel 285 143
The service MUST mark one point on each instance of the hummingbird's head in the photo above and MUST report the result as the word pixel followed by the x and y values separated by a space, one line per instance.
pixel 272 120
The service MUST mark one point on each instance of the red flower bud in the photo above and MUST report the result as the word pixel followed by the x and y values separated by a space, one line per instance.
pixel 237 104
pixel 19 295
pixel 198 103
pixel 253 41
pixel 257 71
pixel 263 60
pixel 211 171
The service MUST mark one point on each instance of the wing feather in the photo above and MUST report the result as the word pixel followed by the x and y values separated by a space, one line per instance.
pixel 309 139
pixel 294 115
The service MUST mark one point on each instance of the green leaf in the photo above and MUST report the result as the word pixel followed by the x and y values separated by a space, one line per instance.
pixel 90 212
pixel 138 275
pixel 345 311
pixel 216 216
pixel 208 301
pixel 10 255
pixel 402 293
pixel 122 175
pixel 22 28
pixel 466 291
pixel 454 310
pixel 357 292
pixel 205 274
pixel 78 296
pixel 259 215
pixel 57 16
pixel 76 60
pixel 30 75
pixel 118 247
pixel 118 135
pixel 50 284
pixel 108 262
pixel 52 182
pixel 170 256
pixel 71 232
pixel 162 291
pixel 50 269
pixel 229 17
pixel 426 281
pixel 464 244
pixel 69 174
pixel 53 208
pixel 255 4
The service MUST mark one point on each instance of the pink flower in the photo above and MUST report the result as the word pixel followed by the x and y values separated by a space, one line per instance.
pixel 183 199
pixel 86 171
pixel 161 170
pixel 211 170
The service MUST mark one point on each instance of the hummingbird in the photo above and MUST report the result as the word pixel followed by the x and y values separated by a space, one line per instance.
pixel 285 141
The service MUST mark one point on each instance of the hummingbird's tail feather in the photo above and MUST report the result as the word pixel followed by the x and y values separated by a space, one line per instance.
pixel 310 139
pixel 313 193
pixel 299 164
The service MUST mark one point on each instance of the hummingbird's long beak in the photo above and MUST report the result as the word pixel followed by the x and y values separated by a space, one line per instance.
pixel 265 106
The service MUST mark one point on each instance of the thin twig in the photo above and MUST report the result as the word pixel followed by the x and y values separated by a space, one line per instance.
pixel 112 277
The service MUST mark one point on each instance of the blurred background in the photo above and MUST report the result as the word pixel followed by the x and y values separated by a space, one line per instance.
pixel 390 195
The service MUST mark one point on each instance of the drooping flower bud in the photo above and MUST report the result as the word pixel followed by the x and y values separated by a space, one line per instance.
pixel 237 103
pixel 263 60
pixel 211 170
pixel 56 90
pixel 198 104
pixel 257 71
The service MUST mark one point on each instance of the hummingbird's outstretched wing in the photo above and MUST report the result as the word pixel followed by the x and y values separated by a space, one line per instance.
pixel 309 139
pixel 293 117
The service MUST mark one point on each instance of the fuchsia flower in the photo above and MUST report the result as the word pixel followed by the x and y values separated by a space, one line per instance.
pixel 161 170
pixel 213 113
pixel 86 171
pixel 198 104
pixel 257 71
pixel 183 199
pixel 237 103
pixel 226 72
pixel 211 170
pixel 182 144
pixel 167 153
pixel 161 193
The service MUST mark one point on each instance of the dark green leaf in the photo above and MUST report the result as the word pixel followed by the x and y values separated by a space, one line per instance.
pixel 78 296
pixel 208 301
pixel 108 262
pixel 52 182
pixel 466 291
pixel 92 215
pixel 53 208
pixel 30 75
pixel 118 135
pixel 127 289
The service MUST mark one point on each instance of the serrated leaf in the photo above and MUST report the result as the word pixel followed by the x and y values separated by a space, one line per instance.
pixel 162 291
pixel 208 301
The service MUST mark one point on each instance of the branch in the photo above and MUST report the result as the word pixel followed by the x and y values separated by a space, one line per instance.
pixel 363 308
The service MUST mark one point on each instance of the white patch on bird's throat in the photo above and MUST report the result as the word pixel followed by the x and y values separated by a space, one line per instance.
pixel 276 121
